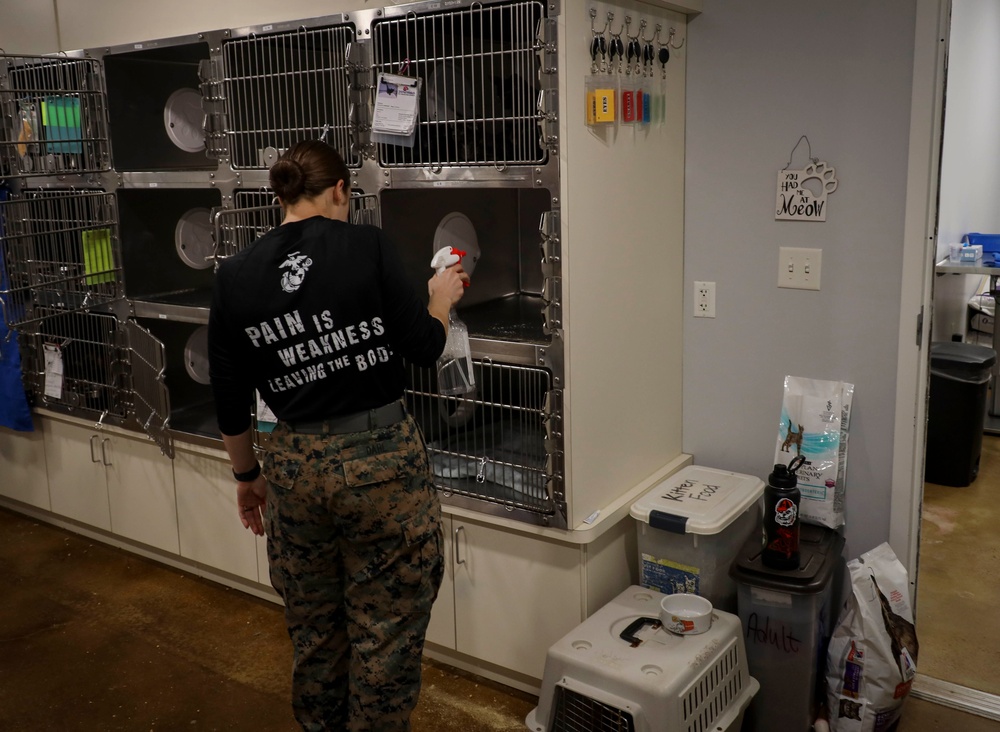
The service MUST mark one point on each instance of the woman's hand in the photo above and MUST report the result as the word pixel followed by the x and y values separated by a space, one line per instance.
pixel 251 498
pixel 449 285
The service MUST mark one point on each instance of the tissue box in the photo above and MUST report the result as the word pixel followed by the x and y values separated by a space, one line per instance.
pixel 971 253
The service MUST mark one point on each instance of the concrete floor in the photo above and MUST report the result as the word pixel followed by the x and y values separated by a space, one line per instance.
pixel 95 638
pixel 958 589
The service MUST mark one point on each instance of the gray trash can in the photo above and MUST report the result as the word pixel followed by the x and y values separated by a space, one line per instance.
pixel 960 380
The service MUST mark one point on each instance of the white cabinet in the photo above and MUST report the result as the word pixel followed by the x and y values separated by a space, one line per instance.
pixel 507 595
pixel 140 491
pixel 112 481
pixel 441 630
pixel 208 520
pixel 22 465
pixel 515 595
pixel 78 483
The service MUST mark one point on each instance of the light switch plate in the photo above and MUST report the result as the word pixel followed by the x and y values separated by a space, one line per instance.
pixel 799 268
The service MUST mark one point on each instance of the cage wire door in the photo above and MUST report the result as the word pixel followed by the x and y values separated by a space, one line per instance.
pixel 480 71
pixel 55 119
pixel 61 252
pixel 82 364
pixel 150 405
pixel 256 212
pixel 285 87
pixel 492 446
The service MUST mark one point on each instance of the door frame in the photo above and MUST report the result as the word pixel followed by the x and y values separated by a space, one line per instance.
pixel 916 299
pixel 930 66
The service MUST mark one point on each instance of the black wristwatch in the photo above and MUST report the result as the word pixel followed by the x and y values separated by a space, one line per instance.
pixel 248 476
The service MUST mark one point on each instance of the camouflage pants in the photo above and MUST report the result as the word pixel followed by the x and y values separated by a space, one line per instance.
pixel 354 546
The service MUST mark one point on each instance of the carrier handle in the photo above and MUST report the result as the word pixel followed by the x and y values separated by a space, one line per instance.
pixel 629 634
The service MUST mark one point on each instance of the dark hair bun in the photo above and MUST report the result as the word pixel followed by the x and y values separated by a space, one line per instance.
pixel 288 179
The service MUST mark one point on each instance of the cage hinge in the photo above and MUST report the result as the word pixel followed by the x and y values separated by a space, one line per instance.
pixel 551 244
pixel 359 80
pixel 213 102
pixel 552 297
pixel 548 115
pixel 546 37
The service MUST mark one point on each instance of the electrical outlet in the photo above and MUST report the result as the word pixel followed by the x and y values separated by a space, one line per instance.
pixel 704 299
pixel 798 268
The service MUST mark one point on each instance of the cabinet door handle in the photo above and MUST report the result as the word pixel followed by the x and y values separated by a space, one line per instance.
pixel 93 452
pixel 458 557
pixel 104 451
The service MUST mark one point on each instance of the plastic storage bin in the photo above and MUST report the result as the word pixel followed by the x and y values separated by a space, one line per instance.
pixel 787 624
pixel 960 376
pixel 596 679
pixel 691 526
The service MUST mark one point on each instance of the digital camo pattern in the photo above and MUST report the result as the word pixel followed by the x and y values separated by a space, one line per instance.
pixel 354 546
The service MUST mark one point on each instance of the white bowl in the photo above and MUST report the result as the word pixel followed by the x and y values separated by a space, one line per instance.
pixel 686 614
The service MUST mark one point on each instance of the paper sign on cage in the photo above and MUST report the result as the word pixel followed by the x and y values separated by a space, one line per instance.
pixel 802 194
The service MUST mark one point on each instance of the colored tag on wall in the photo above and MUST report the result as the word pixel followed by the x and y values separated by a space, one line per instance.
pixel 604 107
pixel 628 105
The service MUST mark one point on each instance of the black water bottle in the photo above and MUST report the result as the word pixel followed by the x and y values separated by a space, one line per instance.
pixel 781 517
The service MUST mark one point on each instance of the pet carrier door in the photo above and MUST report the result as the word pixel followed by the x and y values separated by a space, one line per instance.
pixel 61 253
pixel 285 83
pixel 54 116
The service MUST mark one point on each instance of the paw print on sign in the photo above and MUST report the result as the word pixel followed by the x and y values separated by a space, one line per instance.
pixel 819 179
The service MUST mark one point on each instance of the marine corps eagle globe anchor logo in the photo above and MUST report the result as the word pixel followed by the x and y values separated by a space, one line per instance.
pixel 293 279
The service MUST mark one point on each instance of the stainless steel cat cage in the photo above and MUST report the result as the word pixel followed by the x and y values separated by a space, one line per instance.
pixel 480 68
pixel 62 255
pixel 493 445
pixel 60 251
pixel 284 83
pixel 90 363
pixel 54 118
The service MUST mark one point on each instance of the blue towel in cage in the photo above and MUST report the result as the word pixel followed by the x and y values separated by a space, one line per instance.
pixel 14 411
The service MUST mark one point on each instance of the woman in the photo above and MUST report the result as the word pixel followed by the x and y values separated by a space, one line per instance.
pixel 318 315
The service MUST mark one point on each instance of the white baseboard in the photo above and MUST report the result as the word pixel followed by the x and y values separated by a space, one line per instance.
pixel 958 697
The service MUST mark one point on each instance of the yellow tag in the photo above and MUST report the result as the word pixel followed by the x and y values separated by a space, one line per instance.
pixel 604 107
pixel 591 107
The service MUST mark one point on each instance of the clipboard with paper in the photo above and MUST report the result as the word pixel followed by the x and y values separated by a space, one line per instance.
pixel 397 109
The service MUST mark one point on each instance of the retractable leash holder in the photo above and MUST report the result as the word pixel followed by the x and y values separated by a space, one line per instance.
pixel 600 87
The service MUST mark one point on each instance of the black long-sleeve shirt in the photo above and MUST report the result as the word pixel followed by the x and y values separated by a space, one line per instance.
pixel 317 315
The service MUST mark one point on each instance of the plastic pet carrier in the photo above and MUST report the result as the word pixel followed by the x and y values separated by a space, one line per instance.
pixel 621 671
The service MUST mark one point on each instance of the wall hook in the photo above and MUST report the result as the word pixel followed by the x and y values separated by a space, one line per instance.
pixel 670 39
pixel 593 17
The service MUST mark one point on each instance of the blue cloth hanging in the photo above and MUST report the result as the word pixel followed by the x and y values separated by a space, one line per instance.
pixel 15 413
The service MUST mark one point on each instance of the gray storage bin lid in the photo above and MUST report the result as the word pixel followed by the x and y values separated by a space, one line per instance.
pixel 961 359
pixel 819 555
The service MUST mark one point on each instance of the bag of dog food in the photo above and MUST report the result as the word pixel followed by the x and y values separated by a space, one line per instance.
pixel 815 416
pixel 872 656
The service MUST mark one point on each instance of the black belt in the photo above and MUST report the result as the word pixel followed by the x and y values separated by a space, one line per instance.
pixel 370 419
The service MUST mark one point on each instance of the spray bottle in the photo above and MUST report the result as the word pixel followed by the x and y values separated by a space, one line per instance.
pixel 454 367
pixel 781 517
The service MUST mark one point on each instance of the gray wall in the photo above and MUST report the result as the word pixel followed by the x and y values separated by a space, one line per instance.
pixel 970 176
pixel 760 75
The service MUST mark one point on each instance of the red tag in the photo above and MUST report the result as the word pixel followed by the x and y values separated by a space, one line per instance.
pixel 902 690
pixel 628 106
pixel 639 99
